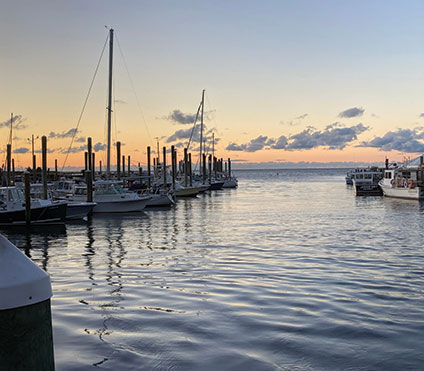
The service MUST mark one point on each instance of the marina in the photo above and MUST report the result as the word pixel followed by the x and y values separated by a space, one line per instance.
pixel 330 284
pixel 213 186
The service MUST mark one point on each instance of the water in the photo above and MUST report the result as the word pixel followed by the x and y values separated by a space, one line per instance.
pixel 291 271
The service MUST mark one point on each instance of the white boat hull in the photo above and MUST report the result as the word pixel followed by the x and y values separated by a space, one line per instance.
pixel 400 192
pixel 230 183
pixel 160 200
pixel 79 210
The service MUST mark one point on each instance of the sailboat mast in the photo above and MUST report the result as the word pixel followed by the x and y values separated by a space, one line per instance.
pixel 201 131
pixel 109 108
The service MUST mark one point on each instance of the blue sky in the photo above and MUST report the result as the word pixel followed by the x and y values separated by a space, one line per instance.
pixel 263 64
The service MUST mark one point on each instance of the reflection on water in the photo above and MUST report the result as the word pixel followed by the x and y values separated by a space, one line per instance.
pixel 290 271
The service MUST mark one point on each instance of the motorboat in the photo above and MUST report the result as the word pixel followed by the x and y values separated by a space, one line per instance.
pixel 110 197
pixel 403 182
pixel 12 209
pixel 365 181
pixel 230 182
pixel 349 177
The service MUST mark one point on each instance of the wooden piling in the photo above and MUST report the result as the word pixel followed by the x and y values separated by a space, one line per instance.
pixel 185 167
pixel 27 198
pixel 89 182
pixel 190 174
pixel 100 167
pixel 85 161
pixel 229 167
pixel 44 165
pixel 93 161
pixel 174 165
pixel 8 163
pixel 34 168
pixel 89 154
pixel 13 171
pixel 164 168
pixel 55 169
pixel 210 168
pixel 204 168
pixel 129 166
pixel 123 166
pixel 118 160
pixel 148 166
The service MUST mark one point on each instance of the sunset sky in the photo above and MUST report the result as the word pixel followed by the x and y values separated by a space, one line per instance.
pixel 286 81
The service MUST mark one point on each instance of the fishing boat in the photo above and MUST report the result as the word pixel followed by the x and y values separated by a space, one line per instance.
pixel 12 209
pixel 365 181
pixel 404 182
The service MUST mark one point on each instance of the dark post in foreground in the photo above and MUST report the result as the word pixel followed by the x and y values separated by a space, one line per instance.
pixel 204 168
pixel 210 168
pixel 190 170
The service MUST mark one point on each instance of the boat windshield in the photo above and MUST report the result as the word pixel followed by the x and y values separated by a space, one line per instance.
pixel 109 189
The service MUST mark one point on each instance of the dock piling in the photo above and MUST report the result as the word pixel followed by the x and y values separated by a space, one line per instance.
pixel 44 165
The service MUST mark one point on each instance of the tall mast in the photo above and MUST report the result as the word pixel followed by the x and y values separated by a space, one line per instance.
pixel 201 131
pixel 10 134
pixel 109 108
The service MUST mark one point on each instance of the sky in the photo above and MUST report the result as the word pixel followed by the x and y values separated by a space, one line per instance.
pixel 300 81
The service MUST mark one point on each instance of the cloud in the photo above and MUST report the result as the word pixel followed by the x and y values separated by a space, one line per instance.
pixel 334 136
pixel 64 134
pixel 21 150
pixel 301 117
pixel 352 112
pixel 403 140
pixel 80 140
pixel 99 147
pixel 281 143
pixel 296 121
pixel 181 118
pixel 254 145
pixel 18 123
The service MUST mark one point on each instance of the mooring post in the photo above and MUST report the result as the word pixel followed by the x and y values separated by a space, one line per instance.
pixel 100 167
pixel 89 181
pixel 89 154
pixel 13 171
pixel 93 161
pixel 174 165
pixel 129 166
pixel 204 168
pixel 210 168
pixel 55 169
pixel 165 183
pixel 190 174
pixel 8 163
pixel 185 167
pixel 123 165
pixel 44 165
pixel 27 198
pixel 148 167
pixel 229 167
pixel 26 341
pixel 34 168
pixel 85 161
pixel 118 160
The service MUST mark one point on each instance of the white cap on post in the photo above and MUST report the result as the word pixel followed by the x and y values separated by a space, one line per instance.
pixel 22 282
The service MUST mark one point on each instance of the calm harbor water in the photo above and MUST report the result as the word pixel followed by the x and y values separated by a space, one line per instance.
pixel 291 271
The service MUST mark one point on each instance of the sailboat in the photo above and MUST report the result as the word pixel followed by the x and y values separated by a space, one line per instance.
pixel 108 194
